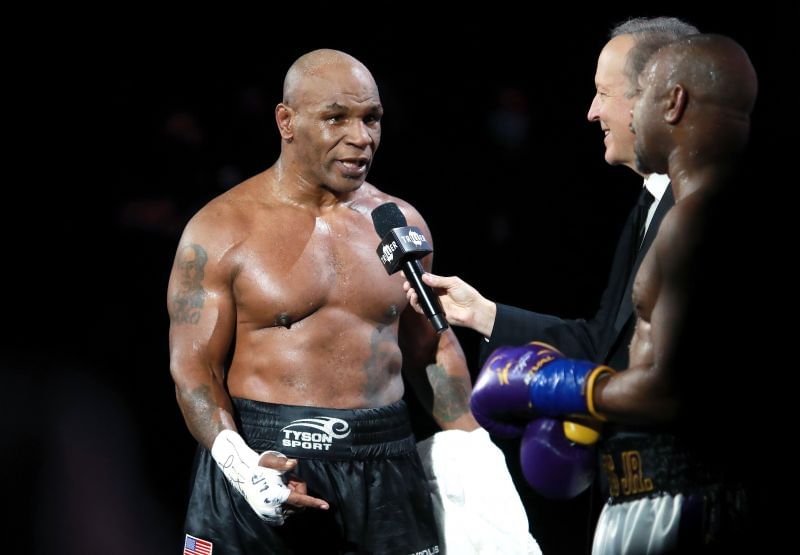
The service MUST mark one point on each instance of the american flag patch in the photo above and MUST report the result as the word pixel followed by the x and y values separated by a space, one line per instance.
pixel 196 546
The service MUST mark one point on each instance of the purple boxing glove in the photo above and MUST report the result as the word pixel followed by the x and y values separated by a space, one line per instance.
pixel 517 383
pixel 552 464
pixel 501 395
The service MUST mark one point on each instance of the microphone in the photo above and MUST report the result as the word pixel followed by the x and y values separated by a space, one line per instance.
pixel 402 246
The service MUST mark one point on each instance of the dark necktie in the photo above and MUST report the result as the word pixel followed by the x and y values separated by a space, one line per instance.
pixel 639 219
pixel 642 207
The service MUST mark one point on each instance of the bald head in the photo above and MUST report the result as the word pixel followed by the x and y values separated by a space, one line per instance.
pixel 714 69
pixel 329 121
pixel 317 65
pixel 694 109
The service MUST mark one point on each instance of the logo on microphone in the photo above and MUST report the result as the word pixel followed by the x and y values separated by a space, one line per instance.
pixel 329 429
pixel 413 237
pixel 416 238
pixel 401 245
pixel 388 251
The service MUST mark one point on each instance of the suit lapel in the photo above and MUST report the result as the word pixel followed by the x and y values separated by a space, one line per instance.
pixel 667 201
pixel 626 306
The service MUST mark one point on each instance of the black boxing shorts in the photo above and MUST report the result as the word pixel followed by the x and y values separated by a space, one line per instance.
pixel 642 465
pixel 363 462
pixel 666 498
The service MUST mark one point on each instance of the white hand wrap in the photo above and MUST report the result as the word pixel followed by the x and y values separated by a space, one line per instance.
pixel 262 487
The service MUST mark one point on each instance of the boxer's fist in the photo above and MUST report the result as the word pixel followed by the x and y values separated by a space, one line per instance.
pixel 534 379
pixel 554 464
pixel 500 398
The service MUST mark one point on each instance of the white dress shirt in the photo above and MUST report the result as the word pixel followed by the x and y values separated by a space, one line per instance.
pixel 657 184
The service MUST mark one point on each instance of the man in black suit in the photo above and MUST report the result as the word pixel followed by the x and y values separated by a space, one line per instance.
pixel 605 337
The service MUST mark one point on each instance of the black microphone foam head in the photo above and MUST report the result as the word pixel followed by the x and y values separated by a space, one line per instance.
pixel 386 217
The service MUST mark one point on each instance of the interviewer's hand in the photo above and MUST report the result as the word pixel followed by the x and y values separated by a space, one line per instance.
pixel 463 304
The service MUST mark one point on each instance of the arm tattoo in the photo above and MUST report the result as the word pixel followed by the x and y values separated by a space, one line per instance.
pixel 450 394
pixel 201 408
pixel 187 303
pixel 203 413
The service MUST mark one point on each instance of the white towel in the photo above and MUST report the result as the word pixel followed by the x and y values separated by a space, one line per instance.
pixel 477 508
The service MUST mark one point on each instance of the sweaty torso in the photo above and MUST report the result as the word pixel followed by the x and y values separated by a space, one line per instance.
pixel 645 291
pixel 659 285
pixel 316 313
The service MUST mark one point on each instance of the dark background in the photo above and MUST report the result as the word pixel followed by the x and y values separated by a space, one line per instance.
pixel 129 127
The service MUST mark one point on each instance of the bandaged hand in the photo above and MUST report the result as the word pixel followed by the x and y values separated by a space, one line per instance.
pixel 262 487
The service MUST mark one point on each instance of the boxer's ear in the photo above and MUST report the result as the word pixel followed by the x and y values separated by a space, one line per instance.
pixel 676 104
pixel 284 117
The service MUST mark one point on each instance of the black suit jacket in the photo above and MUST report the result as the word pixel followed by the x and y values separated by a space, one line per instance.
pixel 605 337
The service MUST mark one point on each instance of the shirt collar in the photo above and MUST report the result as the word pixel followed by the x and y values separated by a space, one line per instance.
pixel 657 184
